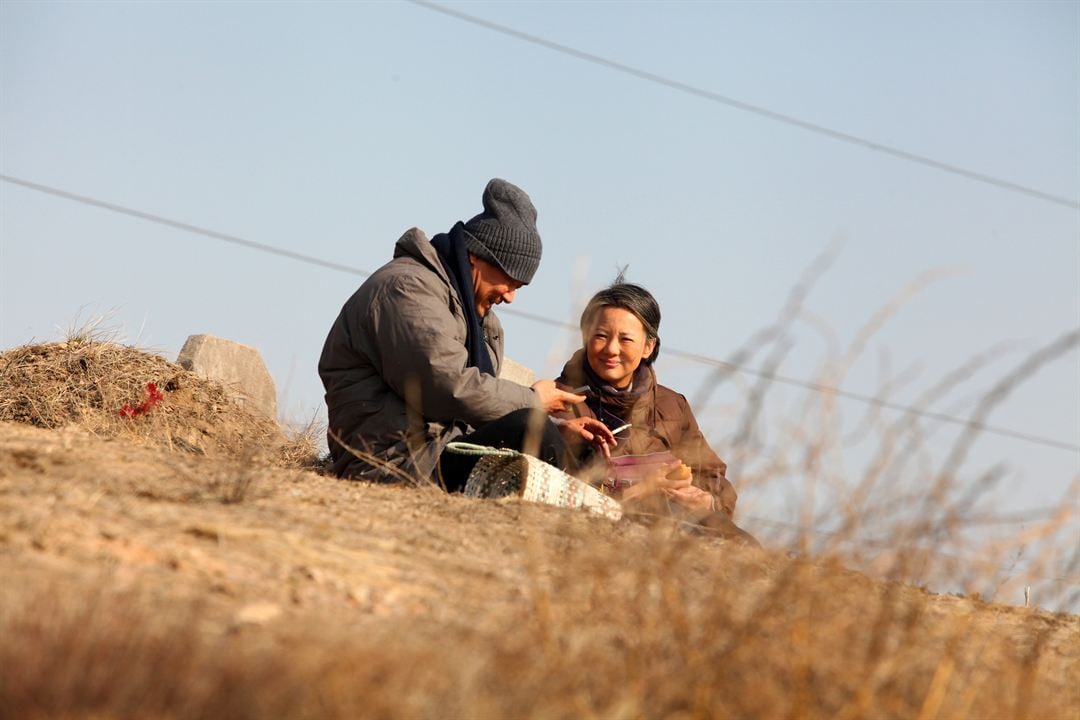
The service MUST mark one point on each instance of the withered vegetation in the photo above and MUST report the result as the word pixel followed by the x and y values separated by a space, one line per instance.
pixel 149 577
pixel 88 381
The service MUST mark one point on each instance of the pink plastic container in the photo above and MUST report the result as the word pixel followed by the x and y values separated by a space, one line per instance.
pixel 630 469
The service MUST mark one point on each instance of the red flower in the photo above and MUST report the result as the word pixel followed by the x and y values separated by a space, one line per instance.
pixel 153 397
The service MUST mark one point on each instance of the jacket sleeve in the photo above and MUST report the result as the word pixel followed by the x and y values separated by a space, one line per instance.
pixel 422 357
pixel 710 472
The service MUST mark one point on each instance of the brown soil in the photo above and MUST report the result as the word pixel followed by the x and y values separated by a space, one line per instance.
pixel 144 579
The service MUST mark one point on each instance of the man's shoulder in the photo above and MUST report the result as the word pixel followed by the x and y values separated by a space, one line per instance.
pixel 400 281
pixel 403 269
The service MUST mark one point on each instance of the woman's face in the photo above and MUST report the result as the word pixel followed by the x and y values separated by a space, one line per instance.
pixel 615 344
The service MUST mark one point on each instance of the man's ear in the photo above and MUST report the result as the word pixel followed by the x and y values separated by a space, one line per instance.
pixel 472 260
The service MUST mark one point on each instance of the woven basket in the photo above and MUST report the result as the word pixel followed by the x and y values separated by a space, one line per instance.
pixel 506 473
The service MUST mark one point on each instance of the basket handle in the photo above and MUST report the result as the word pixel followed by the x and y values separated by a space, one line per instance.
pixel 464 448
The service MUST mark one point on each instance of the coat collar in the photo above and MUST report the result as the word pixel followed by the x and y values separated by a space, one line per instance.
pixel 416 245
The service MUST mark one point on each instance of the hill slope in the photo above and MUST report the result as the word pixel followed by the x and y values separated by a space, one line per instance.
pixel 180 562
pixel 142 582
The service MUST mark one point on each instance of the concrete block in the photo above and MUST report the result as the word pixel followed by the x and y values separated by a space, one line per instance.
pixel 237 367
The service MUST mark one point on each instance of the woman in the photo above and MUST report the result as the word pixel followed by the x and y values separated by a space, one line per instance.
pixel 619 328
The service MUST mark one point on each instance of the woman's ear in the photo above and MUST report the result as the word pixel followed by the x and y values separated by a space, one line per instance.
pixel 650 345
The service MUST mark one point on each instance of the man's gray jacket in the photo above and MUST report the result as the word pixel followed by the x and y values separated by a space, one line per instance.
pixel 394 368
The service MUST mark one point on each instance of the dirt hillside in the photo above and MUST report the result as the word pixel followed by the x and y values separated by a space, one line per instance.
pixel 147 579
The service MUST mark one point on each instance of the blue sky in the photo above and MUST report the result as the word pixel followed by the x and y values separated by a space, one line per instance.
pixel 330 128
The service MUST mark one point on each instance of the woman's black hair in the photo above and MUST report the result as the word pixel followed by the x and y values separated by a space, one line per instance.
pixel 634 299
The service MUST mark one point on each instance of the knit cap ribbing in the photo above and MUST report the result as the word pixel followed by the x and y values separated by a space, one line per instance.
pixel 505 233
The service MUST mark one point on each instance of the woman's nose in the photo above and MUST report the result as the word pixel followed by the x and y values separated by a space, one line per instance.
pixel 611 347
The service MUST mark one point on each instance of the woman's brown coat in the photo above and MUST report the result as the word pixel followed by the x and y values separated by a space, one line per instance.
pixel 662 420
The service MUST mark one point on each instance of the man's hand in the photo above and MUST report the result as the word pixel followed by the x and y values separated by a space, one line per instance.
pixel 552 399
pixel 591 431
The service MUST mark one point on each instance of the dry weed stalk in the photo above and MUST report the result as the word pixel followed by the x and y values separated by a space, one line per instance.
pixel 392 472
pixel 616 621
pixel 919 532
pixel 612 621
pixel 87 381
pixel 303 446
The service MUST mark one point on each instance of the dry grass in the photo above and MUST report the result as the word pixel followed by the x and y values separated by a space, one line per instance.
pixel 880 492
pixel 87 380
pixel 134 591
pixel 147 577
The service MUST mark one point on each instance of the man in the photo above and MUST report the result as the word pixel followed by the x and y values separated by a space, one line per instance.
pixel 411 363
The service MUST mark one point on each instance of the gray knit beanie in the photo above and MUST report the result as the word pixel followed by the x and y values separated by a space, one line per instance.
pixel 505 233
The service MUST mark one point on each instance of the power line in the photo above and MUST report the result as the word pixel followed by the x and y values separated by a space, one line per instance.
pixel 701 359
pixel 824 389
pixel 150 217
pixel 878 402
pixel 748 107
pixel 693 357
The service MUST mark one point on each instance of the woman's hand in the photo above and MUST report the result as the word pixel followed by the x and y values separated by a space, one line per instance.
pixel 665 480
pixel 592 431
pixel 692 497
pixel 673 482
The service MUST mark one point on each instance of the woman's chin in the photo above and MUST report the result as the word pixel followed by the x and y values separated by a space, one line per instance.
pixel 614 379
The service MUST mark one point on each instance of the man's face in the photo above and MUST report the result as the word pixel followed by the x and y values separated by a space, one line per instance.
pixel 491 285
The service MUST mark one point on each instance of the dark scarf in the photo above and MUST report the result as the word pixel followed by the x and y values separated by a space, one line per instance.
pixel 455 260
pixel 611 405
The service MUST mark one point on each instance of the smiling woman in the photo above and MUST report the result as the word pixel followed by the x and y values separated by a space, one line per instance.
pixel 660 462
pixel 616 342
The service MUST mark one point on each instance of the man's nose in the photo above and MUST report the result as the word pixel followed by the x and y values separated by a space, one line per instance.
pixel 508 297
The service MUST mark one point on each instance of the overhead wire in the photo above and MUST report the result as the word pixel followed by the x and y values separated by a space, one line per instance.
pixel 703 359
pixel 186 227
pixel 705 94
pixel 533 317
pixel 743 106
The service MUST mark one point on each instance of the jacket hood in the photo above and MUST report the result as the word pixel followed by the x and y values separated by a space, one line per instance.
pixel 572 373
pixel 415 244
